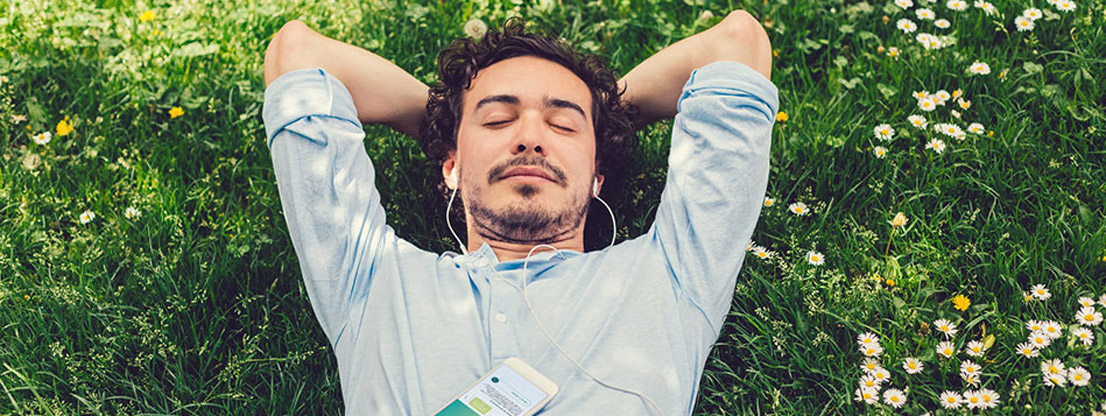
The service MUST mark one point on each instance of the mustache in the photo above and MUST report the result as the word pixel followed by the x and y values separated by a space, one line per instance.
pixel 529 160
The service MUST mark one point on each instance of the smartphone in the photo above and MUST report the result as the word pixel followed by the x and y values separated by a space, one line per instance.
pixel 512 388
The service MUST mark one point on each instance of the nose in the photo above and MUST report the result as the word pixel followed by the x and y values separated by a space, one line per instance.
pixel 529 136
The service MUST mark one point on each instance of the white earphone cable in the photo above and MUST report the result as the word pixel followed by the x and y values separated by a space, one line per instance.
pixel 448 208
pixel 530 307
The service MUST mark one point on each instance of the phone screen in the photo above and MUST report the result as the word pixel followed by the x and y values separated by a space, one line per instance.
pixel 502 393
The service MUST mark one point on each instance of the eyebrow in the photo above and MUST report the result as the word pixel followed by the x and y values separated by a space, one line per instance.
pixel 513 100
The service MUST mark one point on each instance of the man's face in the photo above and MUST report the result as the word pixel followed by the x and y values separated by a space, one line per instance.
pixel 525 151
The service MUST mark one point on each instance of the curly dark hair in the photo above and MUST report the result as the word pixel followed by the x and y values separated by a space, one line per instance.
pixel 459 63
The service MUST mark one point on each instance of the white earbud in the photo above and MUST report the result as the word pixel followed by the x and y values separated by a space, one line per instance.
pixel 451 180
pixel 595 187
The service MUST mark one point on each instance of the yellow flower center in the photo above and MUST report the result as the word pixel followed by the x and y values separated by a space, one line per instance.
pixel 1088 317
pixel 1078 377
pixel 975 400
pixel 1053 370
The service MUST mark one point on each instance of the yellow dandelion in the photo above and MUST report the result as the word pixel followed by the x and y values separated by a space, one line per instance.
pixel 147 16
pixel 176 112
pixel 781 116
pixel 961 302
pixel 64 127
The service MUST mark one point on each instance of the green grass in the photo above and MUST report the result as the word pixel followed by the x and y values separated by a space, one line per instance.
pixel 196 306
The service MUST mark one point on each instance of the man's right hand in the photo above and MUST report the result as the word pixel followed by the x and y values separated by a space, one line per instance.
pixel 383 92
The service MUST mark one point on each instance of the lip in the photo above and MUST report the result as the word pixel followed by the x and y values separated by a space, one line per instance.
pixel 527 173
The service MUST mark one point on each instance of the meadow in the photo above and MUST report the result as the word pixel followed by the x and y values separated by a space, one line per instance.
pixel 933 241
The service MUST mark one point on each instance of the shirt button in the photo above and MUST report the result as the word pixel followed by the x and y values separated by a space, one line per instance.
pixel 482 262
pixel 501 318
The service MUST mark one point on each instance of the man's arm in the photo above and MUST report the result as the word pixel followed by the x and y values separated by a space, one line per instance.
pixel 654 86
pixel 382 92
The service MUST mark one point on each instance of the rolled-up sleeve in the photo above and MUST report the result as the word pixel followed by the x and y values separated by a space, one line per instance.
pixel 327 190
pixel 717 176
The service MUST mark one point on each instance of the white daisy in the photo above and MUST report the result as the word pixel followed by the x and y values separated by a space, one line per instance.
pixel 1086 301
pixel 912 365
pixel 867 338
pixel 937 145
pixel 879 151
pixel 988 398
pixel 987 7
pixel 925 14
pixel 979 68
pixel 921 95
pixel 970 380
pixel 1065 5
pixel 1033 13
pixel 946 327
pixel 942 96
pixel 1053 367
pixel 866 395
pixel 869 365
pixel 976 128
pixel 894 397
pixel 927 104
pixel 946 349
pixel 1102 299
pixel 816 259
pixel 1055 380
pixel 964 104
pixel 1040 339
pixel 968 368
pixel 971 399
pixel 975 349
pixel 1079 376
pixel 87 217
pixel 906 26
pixel 1053 329
pixel 132 213
pixel 1027 350
pixel 918 121
pixel 1088 316
pixel 880 374
pixel 798 208
pixel 761 252
pixel 950 130
pixel 1034 325
pixel 942 23
pixel 951 399
pixel 769 201
pixel 869 382
pixel 904 4
pixel 42 138
pixel 884 132
pixel 1041 292
pixel 1084 335
pixel 958 5
pixel 1023 23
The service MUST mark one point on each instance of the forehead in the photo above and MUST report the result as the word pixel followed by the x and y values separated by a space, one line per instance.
pixel 531 79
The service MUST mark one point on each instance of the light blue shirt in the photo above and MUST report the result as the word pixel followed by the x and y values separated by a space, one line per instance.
pixel 412 329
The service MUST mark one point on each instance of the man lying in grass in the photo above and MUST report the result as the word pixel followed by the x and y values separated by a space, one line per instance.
pixel 526 130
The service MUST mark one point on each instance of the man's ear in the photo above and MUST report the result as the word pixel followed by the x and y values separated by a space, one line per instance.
pixel 449 170
pixel 597 185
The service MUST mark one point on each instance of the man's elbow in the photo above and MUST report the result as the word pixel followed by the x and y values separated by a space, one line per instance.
pixel 285 52
pixel 743 39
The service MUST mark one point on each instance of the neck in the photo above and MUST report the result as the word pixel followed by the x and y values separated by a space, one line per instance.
pixel 507 251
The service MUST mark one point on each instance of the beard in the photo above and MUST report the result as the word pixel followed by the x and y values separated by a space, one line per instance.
pixel 527 222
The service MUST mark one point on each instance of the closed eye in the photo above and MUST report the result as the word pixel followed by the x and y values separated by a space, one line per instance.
pixel 566 129
pixel 496 123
